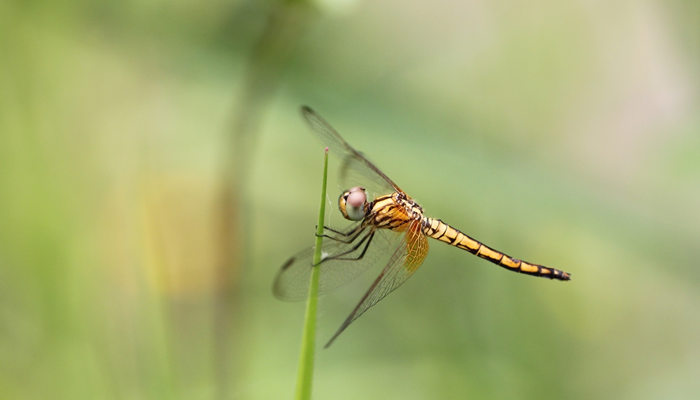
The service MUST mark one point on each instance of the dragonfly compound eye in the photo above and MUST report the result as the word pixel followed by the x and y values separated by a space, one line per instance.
pixel 352 203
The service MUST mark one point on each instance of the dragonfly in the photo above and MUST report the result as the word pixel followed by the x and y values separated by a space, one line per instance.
pixel 386 227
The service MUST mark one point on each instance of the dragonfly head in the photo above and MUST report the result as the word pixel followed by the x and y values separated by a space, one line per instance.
pixel 353 203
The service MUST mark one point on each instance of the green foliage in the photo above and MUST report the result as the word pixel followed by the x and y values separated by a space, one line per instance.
pixel 306 359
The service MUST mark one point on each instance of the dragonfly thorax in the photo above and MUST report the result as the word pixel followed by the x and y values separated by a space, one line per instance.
pixel 393 211
pixel 353 203
pixel 412 209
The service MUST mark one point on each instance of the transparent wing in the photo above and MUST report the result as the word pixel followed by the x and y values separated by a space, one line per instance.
pixel 292 281
pixel 356 170
pixel 405 260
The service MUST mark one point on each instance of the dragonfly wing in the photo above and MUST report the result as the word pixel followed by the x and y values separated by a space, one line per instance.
pixel 292 281
pixel 404 262
pixel 356 169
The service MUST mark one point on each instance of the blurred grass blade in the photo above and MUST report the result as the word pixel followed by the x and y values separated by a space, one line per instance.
pixel 308 340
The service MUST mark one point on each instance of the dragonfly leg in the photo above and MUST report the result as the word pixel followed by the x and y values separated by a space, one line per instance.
pixel 345 237
pixel 359 229
pixel 371 236
pixel 348 233
pixel 368 239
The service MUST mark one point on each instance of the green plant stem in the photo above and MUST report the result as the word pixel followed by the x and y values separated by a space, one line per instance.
pixel 306 358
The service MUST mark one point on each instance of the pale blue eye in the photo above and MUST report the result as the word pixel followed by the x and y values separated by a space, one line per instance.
pixel 355 213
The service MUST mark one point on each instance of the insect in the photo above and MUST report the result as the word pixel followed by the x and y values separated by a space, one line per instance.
pixel 388 229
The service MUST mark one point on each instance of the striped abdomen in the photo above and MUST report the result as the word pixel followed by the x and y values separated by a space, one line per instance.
pixel 439 230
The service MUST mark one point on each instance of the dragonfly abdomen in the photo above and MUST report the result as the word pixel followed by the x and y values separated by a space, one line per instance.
pixel 443 232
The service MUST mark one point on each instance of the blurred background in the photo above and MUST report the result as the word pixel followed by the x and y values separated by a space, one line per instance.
pixel 155 173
